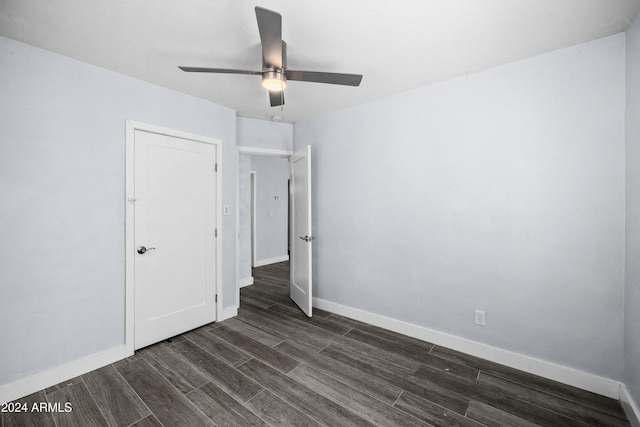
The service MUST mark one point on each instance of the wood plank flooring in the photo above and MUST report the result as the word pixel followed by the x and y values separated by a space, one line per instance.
pixel 272 366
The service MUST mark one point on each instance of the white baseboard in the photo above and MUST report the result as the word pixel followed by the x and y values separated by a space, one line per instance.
pixel 247 281
pixel 263 262
pixel 631 408
pixel 228 313
pixel 586 381
pixel 31 384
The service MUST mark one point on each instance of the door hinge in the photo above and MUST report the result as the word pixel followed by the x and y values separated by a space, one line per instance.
pixel 216 233
pixel 216 297
pixel 216 167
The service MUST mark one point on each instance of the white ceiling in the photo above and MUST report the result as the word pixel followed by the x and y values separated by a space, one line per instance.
pixel 396 44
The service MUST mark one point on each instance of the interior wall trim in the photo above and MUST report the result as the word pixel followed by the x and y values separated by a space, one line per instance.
pixel 630 407
pixel 573 377
pixel 247 281
pixel 257 151
pixel 228 313
pixel 41 380
pixel 263 262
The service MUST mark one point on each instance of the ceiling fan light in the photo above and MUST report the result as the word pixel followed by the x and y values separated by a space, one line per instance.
pixel 274 81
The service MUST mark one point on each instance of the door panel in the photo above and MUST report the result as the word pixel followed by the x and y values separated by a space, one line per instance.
pixel 175 219
pixel 301 235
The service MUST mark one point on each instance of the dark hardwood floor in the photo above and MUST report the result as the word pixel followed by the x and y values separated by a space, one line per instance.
pixel 272 365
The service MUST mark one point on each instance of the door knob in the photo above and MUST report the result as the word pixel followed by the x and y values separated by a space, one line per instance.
pixel 142 249
pixel 307 238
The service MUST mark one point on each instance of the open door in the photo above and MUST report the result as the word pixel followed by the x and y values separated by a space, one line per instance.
pixel 301 236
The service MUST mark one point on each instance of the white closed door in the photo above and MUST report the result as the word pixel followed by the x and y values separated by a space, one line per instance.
pixel 301 235
pixel 175 236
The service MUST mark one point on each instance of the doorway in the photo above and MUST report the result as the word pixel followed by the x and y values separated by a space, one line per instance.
pixel 263 213
pixel 262 201
pixel 297 213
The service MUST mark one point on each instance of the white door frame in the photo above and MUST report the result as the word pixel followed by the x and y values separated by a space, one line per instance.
pixel 131 127
pixel 254 214
pixel 251 151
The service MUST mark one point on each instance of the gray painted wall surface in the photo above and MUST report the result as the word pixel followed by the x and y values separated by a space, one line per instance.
pixel 501 191
pixel 632 290
pixel 62 175
pixel 264 134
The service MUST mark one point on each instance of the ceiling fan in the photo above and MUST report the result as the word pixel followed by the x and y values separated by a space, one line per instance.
pixel 274 62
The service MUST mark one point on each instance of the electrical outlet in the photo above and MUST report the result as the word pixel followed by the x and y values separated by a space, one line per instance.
pixel 480 318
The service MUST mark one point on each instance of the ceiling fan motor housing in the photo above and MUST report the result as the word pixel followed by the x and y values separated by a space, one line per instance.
pixel 274 80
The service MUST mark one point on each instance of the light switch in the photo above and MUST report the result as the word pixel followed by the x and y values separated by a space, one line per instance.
pixel 225 210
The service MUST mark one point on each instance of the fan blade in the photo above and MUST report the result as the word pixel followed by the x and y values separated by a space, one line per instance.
pixel 276 98
pixel 270 28
pixel 320 77
pixel 218 70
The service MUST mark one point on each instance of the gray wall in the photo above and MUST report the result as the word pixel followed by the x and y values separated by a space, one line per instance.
pixel 632 290
pixel 501 191
pixel 264 134
pixel 62 171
